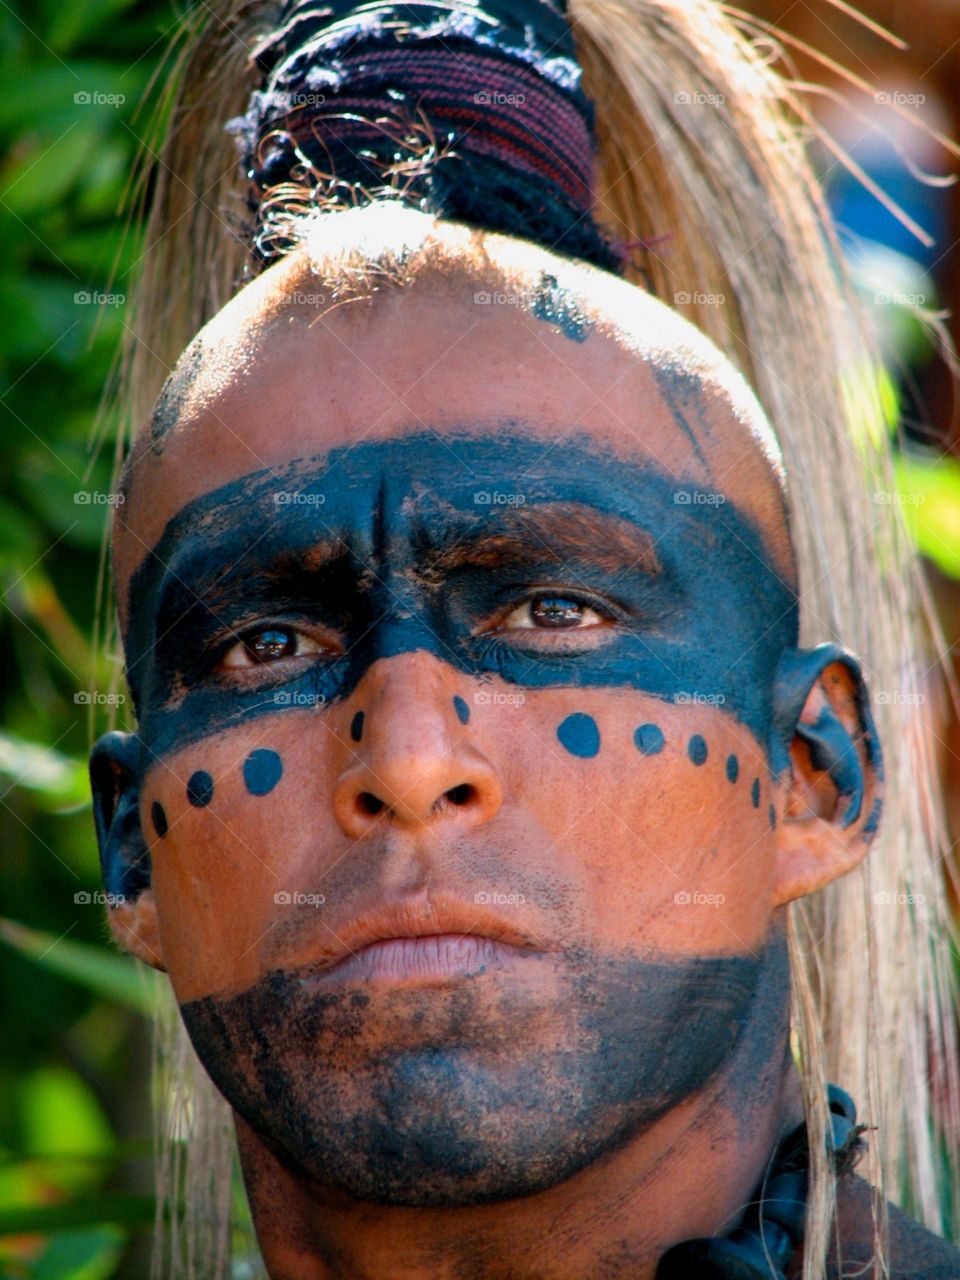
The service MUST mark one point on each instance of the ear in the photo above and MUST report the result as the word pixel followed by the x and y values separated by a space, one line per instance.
pixel 124 856
pixel 824 748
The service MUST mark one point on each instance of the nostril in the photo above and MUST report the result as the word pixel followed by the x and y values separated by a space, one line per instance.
pixel 462 795
pixel 368 803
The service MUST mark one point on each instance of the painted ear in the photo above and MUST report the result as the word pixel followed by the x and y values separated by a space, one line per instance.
pixel 825 750
pixel 124 856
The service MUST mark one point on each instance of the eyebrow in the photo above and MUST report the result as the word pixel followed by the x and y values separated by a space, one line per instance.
pixel 558 531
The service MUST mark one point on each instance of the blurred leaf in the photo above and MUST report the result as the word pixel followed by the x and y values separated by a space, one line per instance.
pixel 61 1114
pixel 80 1255
pixel 113 976
pixel 929 492
pixel 57 778
pixel 86 1211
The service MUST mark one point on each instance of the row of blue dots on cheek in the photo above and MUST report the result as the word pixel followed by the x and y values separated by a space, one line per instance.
pixel 262 770
pixel 580 735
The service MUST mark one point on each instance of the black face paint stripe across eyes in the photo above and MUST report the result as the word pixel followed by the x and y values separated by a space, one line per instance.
pixel 700 624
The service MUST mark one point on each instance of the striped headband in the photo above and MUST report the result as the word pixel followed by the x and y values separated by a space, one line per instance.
pixel 473 111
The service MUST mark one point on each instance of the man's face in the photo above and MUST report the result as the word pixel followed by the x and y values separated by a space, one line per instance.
pixel 461 620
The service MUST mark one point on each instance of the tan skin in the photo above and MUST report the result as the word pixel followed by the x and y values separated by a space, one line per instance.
pixel 602 846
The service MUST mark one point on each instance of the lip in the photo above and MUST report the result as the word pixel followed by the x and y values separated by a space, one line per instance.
pixel 436 938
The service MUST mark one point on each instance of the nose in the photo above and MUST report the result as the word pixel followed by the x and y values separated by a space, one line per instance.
pixel 416 764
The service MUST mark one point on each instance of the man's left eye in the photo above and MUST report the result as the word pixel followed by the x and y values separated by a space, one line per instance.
pixel 270 644
pixel 554 613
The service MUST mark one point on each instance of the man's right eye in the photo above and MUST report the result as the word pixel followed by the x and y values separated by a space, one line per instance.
pixel 269 644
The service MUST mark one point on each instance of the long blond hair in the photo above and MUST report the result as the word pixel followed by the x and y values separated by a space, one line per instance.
pixel 702 167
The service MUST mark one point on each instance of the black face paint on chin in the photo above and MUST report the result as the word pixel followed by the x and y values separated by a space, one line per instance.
pixel 402 555
pixel 422 1097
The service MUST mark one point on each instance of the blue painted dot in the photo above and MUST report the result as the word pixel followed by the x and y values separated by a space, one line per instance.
pixel 356 727
pixel 648 739
pixel 755 793
pixel 159 819
pixel 773 816
pixel 462 710
pixel 697 749
pixel 733 768
pixel 579 734
pixel 262 770
pixel 200 789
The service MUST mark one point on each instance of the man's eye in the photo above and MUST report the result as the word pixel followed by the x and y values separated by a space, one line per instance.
pixel 554 613
pixel 269 645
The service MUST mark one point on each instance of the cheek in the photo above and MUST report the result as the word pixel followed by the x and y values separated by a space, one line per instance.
pixel 659 813
pixel 233 821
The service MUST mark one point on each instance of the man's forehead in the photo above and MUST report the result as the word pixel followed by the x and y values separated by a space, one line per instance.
pixel 265 386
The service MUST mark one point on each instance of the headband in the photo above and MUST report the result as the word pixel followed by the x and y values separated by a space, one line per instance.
pixel 472 111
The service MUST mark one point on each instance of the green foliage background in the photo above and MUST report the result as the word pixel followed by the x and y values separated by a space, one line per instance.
pixel 75 1168
pixel 75 104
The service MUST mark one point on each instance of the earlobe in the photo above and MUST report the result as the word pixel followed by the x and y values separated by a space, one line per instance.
pixel 124 856
pixel 825 750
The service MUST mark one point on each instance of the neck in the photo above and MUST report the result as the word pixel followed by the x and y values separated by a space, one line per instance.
pixel 689 1174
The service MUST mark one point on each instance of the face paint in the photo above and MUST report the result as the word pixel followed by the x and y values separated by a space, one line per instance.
pixel 580 735
pixel 733 768
pixel 356 727
pixel 262 770
pixel 370 1076
pixel 649 739
pixel 559 307
pixel 755 793
pixel 462 710
pixel 200 789
pixel 159 819
pixel 393 563
pixel 697 749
